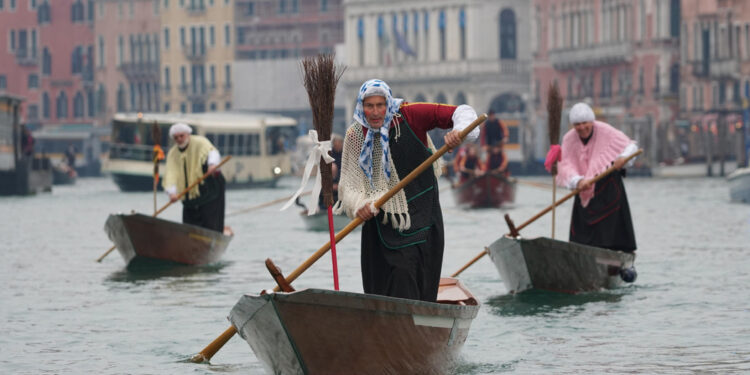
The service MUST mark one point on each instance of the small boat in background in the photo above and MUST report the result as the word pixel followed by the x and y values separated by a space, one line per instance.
pixel 142 236
pixel 62 174
pixel 559 266
pixel 316 331
pixel 319 222
pixel 739 185
pixel 487 190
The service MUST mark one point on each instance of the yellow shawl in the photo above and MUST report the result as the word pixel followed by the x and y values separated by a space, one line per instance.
pixel 192 160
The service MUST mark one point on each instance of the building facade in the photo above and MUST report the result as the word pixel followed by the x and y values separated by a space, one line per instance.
pixel 620 56
pixel 715 75
pixel 46 53
pixel 197 51
pixel 455 52
pixel 126 49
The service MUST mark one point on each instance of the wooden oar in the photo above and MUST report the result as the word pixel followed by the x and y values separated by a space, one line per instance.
pixel 548 209
pixel 214 346
pixel 170 202
pixel 263 205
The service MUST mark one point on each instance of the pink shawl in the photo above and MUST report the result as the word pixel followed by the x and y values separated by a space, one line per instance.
pixel 588 160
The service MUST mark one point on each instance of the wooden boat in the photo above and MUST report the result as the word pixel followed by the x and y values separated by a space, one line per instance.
pixel 319 222
pixel 739 185
pixel 63 175
pixel 488 190
pixel 316 331
pixel 544 263
pixel 141 236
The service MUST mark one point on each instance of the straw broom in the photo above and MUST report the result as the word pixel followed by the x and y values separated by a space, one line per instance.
pixel 321 75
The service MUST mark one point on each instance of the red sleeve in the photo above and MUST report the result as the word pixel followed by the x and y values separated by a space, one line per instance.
pixel 423 117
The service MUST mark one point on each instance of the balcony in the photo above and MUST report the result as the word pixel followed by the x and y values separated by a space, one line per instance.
pixel 591 56
pixel 726 68
pixel 24 59
pixel 197 92
pixel 194 52
pixel 141 71
pixel 699 67
pixel 510 71
pixel 196 10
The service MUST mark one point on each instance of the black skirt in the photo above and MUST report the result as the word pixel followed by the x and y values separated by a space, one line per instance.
pixel 606 221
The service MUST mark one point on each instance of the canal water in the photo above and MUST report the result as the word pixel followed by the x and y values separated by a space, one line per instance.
pixel 63 313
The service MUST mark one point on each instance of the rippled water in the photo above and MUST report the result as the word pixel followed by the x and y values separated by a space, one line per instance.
pixel 63 313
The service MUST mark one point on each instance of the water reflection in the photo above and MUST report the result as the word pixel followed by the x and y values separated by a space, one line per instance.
pixel 540 302
pixel 141 269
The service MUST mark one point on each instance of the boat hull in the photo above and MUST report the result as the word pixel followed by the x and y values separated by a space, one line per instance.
pixel 559 266
pixel 140 236
pixel 319 222
pixel 485 191
pixel 739 185
pixel 331 332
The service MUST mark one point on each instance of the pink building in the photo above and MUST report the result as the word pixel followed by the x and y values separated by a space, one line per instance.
pixel 621 56
pixel 127 57
pixel 49 59
pixel 715 76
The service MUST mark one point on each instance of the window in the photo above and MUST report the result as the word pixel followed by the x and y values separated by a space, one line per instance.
pixel 3 82
pixel 166 38
pixel 45 105
pixel 282 6
pixel 33 81
pixel 167 84
pixel 211 36
pixel 228 75
pixel 62 105
pixel 182 37
pixel 295 6
pixel 120 50
pixel 32 112
pixel 78 105
pixel 167 108
pixel 507 34
pixel 212 76
pixel 43 13
pixel 441 29
pixel 100 54
pixel 46 62
pixel 227 35
pixel 121 103
pixel 462 30
pixel 323 5
pixel 91 103
pixel 12 37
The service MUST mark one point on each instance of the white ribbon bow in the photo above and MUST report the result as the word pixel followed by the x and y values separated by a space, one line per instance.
pixel 319 149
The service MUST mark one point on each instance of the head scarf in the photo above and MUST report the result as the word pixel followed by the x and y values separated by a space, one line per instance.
pixel 179 128
pixel 375 87
pixel 581 112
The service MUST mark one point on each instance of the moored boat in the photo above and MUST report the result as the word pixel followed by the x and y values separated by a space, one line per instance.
pixel 544 263
pixel 319 222
pixel 316 331
pixel 488 190
pixel 739 185
pixel 141 236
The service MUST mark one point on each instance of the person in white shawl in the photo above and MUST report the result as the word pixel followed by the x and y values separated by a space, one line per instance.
pixel 190 158
pixel 402 249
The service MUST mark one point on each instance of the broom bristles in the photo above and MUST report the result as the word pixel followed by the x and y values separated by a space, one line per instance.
pixel 321 75
pixel 554 113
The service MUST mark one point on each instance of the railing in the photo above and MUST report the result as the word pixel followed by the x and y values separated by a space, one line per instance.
pixel 588 56
pixel 724 68
pixel 195 10
pixel 23 58
pixel 131 152
pixel 140 70
pixel 194 52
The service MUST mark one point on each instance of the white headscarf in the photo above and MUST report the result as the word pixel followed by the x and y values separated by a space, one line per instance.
pixel 180 128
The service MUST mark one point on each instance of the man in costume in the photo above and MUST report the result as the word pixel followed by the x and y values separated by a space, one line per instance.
pixel 497 162
pixel 493 132
pixel 601 214
pixel 470 165
pixel 402 247
pixel 188 160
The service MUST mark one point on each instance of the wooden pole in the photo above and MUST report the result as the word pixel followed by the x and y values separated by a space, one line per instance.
pixel 549 208
pixel 215 346
pixel 170 202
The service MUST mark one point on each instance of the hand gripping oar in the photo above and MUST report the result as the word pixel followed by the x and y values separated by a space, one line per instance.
pixel 214 346
pixel 549 208
pixel 198 181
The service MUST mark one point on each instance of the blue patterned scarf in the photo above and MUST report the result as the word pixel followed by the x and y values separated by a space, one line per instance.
pixel 375 87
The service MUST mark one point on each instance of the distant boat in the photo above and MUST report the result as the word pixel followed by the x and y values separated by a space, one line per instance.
pixel 63 175
pixel 316 331
pixel 739 185
pixel 559 266
pixel 319 222
pixel 488 190
pixel 142 236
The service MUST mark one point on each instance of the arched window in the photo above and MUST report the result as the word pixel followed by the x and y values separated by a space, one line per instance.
pixel 507 34
pixel 46 62
pixel 419 98
pixel 45 105
pixel 62 105
pixel 460 98
pixel 441 30
pixel 440 98
pixel 78 105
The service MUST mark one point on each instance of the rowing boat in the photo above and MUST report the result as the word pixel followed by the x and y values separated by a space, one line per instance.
pixel 141 236
pixel 317 331
pixel 488 190
pixel 544 263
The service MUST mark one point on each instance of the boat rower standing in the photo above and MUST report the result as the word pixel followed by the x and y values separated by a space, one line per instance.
pixel 191 157
pixel 601 214
pixel 402 248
